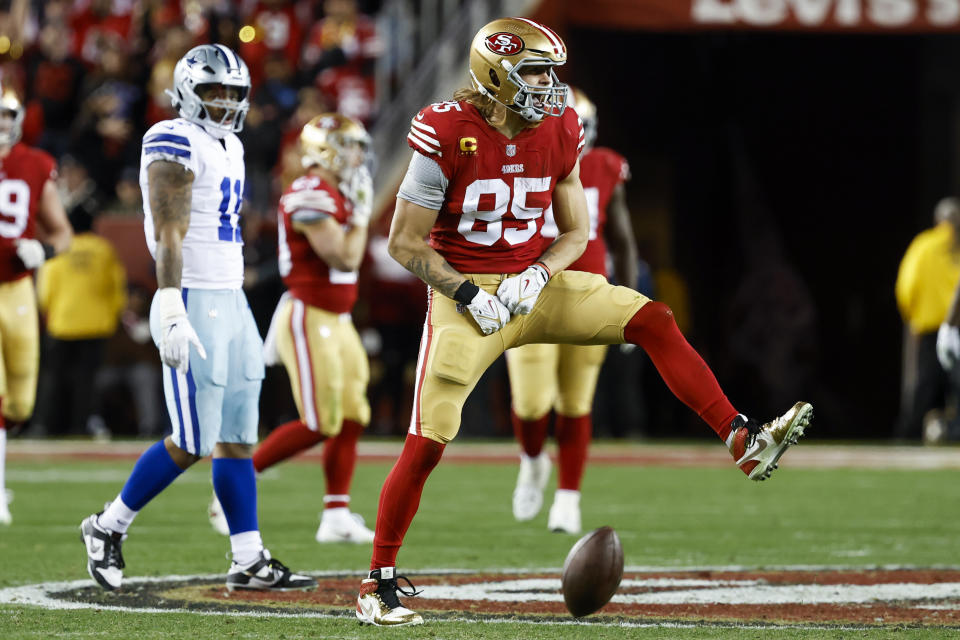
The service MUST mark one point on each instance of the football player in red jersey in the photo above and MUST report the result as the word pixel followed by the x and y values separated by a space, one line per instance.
pixel 563 377
pixel 33 227
pixel 467 222
pixel 322 235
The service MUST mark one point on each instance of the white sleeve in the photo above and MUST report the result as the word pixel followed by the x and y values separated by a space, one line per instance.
pixel 424 183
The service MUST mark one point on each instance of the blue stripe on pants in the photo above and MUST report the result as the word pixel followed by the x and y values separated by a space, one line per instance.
pixel 192 393
pixel 176 396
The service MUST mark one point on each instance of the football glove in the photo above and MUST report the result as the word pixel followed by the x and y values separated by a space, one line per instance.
pixel 948 346
pixel 489 312
pixel 176 334
pixel 271 355
pixel 360 192
pixel 31 252
pixel 311 199
pixel 520 293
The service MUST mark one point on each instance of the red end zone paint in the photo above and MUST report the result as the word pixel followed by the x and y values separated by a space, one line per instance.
pixel 927 597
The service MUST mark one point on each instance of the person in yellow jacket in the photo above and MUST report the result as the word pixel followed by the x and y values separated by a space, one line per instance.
pixel 81 294
pixel 928 276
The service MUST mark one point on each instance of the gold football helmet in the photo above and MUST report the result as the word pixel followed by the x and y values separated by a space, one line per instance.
pixel 334 142
pixel 588 115
pixel 498 55
pixel 11 125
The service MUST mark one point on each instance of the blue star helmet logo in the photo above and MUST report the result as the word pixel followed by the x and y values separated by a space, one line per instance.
pixel 192 60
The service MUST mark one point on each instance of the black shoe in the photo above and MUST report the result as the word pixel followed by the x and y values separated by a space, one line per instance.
pixel 267 574
pixel 104 558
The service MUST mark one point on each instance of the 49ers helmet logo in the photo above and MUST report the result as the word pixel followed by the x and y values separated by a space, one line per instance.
pixel 504 43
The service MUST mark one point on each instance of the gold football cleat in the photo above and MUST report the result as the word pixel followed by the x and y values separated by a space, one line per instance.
pixel 378 604
pixel 757 449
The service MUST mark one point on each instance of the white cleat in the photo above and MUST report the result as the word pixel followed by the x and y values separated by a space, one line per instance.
pixel 531 480
pixel 104 558
pixel 6 497
pixel 378 604
pixel 217 520
pixel 339 525
pixel 565 512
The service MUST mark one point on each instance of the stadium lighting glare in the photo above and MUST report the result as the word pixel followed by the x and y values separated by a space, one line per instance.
pixel 247 33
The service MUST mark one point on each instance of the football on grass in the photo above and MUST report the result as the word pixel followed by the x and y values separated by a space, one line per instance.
pixel 592 571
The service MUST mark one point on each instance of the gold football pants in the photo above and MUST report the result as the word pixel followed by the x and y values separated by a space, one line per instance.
pixel 574 308
pixel 327 366
pixel 20 348
pixel 562 377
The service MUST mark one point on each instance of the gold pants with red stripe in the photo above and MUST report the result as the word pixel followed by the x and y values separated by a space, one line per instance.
pixel 19 347
pixel 327 366
pixel 573 308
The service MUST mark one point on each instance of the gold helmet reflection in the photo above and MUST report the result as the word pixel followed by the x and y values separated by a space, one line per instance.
pixel 588 115
pixel 326 139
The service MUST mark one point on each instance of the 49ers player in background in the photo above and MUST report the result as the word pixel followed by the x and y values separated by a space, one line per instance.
pixel 322 236
pixel 563 377
pixel 33 227
pixel 485 168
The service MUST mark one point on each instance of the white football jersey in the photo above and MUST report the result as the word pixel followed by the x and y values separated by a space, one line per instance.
pixel 213 246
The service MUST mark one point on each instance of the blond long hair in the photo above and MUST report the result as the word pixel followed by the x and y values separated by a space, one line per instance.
pixel 491 110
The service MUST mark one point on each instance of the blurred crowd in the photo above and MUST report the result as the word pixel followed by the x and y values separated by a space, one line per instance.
pixel 92 75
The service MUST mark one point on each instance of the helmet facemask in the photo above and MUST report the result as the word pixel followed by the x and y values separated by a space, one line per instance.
pixel 11 119
pixel 534 102
pixel 233 106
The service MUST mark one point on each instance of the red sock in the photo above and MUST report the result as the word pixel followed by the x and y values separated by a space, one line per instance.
pixel 339 459
pixel 573 440
pixel 531 434
pixel 284 441
pixel 680 366
pixel 400 497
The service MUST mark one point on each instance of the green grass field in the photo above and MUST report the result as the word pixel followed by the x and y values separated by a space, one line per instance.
pixel 666 517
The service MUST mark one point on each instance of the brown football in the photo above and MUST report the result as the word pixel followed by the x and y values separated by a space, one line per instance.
pixel 592 571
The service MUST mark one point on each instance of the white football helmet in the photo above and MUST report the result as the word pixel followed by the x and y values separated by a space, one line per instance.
pixel 498 55
pixel 11 127
pixel 211 64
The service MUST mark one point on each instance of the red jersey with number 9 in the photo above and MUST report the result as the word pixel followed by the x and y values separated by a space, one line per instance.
pixel 498 187
pixel 305 274
pixel 22 175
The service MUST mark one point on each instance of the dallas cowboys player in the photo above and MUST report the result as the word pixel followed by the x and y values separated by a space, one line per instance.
pixel 192 175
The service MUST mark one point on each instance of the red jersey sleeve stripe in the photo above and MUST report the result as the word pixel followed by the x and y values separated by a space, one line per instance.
pixel 422 145
pixel 425 138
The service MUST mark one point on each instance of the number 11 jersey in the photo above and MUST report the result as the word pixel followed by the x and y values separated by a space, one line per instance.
pixel 498 187
pixel 213 246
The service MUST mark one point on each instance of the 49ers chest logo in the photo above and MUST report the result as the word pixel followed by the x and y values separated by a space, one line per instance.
pixel 504 44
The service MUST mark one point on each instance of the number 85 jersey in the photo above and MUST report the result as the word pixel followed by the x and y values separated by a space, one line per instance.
pixel 213 246
pixel 498 187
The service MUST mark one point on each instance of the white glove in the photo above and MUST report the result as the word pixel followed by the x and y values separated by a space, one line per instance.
pixel 520 292
pixel 176 334
pixel 489 312
pixel 270 354
pixel 30 252
pixel 360 192
pixel 948 346
pixel 311 199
